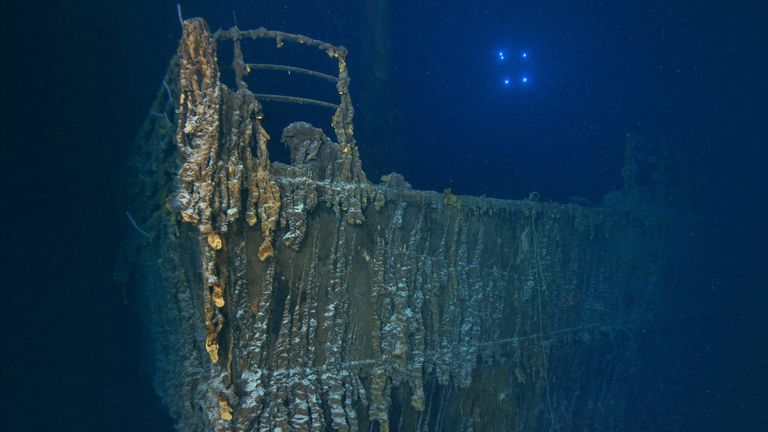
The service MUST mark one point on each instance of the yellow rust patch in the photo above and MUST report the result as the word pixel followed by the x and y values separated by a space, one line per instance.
pixel 212 347
pixel 214 241
pixel 266 250
pixel 218 296
pixel 225 411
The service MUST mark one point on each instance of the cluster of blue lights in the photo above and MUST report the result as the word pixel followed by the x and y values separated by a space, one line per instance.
pixel 502 56
pixel 523 78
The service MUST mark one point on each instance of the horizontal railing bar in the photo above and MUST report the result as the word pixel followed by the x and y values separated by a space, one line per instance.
pixel 235 33
pixel 295 99
pixel 289 69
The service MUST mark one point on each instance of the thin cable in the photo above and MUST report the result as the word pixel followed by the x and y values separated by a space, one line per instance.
pixel 541 325
pixel 135 225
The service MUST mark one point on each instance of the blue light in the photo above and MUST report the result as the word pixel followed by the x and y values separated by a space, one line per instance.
pixel 515 71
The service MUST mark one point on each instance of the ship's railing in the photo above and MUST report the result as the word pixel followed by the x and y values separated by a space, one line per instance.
pixel 343 111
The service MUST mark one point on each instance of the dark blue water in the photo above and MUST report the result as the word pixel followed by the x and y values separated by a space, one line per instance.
pixel 78 79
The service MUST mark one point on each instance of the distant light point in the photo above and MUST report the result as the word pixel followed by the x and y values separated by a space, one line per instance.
pixel 501 55
pixel 506 81
pixel 525 80
pixel 525 54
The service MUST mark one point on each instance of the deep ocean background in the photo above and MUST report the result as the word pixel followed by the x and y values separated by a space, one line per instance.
pixel 78 79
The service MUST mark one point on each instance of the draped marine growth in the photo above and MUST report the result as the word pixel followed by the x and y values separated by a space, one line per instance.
pixel 302 297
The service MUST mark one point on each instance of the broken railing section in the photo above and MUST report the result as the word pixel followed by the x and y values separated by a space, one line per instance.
pixel 342 118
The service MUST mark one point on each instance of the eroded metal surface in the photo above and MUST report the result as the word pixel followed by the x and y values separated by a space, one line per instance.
pixel 303 297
